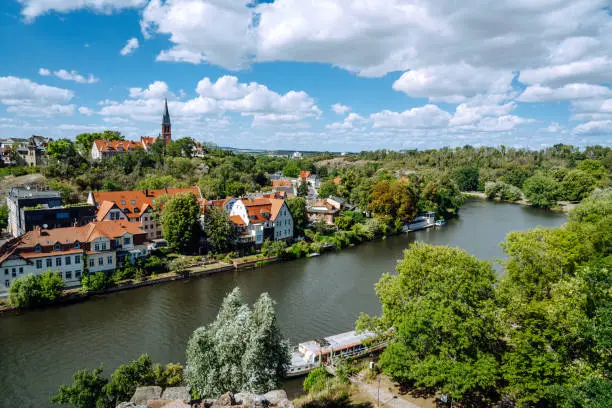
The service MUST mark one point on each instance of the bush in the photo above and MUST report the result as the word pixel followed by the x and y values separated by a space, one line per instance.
pixel 316 381
pixel 95 281
pixel 35 290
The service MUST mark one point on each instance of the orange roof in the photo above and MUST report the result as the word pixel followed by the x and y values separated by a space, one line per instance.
pixel 337 180
pixel 147 141
pixel 281 183
pixel 236 219
pixel 277 203
pixel 304 175
pixel 104 208
pixel 133 203
pixel 108 146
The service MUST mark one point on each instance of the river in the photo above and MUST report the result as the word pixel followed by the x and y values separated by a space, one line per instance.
pixel 39 350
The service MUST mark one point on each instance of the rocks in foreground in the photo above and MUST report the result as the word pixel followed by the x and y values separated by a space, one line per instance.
pixel 179 397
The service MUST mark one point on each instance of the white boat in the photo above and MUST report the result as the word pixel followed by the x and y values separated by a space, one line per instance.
pixel 440 223
pixel 314 353
pixel 313 254
pixel 421 222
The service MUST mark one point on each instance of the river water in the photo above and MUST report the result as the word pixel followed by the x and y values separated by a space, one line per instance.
pixel 40 350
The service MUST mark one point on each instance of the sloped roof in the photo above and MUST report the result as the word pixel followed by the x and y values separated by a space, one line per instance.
pixel 236 219
pixel 277 204
pixel 281 183
pixel 108 146
pixel 104 208
pixel 304 174
pixel 147 141
pixel 140 199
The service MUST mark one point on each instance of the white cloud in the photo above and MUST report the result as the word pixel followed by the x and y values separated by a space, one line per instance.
pixel 451 83
pixel 34 8
pixel 83 110
pixel 14 91
pixel 41 111
pixel 226 94
pixel 157 90
pixel 70 76
pixel 131 45
pixel 597 127
pixel 349 122
pixel 426 117
pixel 596 70
pixel 538 93
pixel 340 109
pixel 592 109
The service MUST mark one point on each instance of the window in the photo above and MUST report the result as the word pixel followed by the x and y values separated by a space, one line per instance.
pixel 91 262
pixel 77 259
pixel 77 245
pixel 126 241
pixel 60 274
pixel 133 202
pixel 39 264
pixel 104 246
pixel 109 259
pixel 68 274
pixel 14 273
pixel 77 274
pixel 38 248
pixel 49 263
pixel 20 270
pixel 6 271
pixel 57 247
pixel 122 202
pixel 101 261
pixel 97 247
pixel 58 261
pixel 68 260
pixel 7 283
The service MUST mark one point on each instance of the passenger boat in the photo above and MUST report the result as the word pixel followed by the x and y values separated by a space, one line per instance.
pixel 440 223
pixel 314 353
pixel 421 222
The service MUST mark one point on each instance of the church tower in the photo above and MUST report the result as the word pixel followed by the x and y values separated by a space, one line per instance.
pixel 166 133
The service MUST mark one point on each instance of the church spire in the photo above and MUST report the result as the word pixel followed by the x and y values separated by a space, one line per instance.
pixel 166 118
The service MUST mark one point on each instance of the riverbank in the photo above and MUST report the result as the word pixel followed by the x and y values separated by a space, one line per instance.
pixel 562 206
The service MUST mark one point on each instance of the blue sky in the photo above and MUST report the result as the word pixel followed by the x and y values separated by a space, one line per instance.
pixel 340 75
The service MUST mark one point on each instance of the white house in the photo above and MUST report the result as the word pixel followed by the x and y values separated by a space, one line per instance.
pixel 262 218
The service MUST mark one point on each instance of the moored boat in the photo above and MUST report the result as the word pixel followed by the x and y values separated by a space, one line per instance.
pixel 421 222
pixel 314 353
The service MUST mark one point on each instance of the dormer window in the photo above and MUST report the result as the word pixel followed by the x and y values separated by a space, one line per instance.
pixel 57 247
pixel 38 248
pixel 77 244
pixel 133 202
pixel 126 210
pixel 122 202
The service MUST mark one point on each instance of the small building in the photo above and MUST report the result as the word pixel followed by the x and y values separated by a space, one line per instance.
pixel 95 247
pixel 323 211
pixel 36 150
pixel 263 218
pixel 226 204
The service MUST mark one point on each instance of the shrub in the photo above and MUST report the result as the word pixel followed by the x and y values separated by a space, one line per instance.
pixel 35 290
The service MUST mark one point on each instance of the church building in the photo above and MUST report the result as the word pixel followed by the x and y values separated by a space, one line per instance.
pixel 108 148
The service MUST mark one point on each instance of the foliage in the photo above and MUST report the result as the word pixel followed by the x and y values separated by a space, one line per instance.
pixel 349 219
pixel 35 290
pixel 328 188
pixel 291 170
pixel 91 282
pixel 242 350
pixel 128 377
pixel 393 200
pixel 576 185
pixel 297 208
pixel 316 380
pixel 541 191
pixel 440 305
pixel 467 178
pixel 274 248
pixel 84 141
pixel 302 190
pixel 218 229
pixel 4 214
pixel 86 390
pixel 503 191
pixel 180 222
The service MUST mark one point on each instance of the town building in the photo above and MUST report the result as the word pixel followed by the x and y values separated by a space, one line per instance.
pixel 33 207
pixel 36 150
pixel 102 149
pixel 24 152
pixel 134 206
pixel 226 204
pixel 95 247
pixel 323 211
pixel 258 219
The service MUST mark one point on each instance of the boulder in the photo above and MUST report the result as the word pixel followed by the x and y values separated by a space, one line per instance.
pixel 226 400
pixel 275 396
pixel 176 393
pixel 144 394
pixel 250 400
pixel 130 405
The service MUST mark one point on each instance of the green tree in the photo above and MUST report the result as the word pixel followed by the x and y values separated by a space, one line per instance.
pixel 467 178
pixel 86 391
pixel 4 214
pixel 91 282
pixel 35 290
pixel 183 147
pixel 218 229
pixel 393 200
pixel 156 182
pixel 242 350
pixel 180 222
pixel 302 190
pixel 291 170
pixel 576 185
pixel 441 307
pixel 297 208
pixel 541 191
pixel 84 141
pixel 327 189
pixel 128 377
pixel 274 248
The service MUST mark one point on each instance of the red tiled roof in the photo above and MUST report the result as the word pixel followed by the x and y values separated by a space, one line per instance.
pixel 304 174
pixel 104 208
pixel 337 180
pixel 109 146
pixel 236 219
pixel 281 183
pixel 147 141
pixel 139 199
